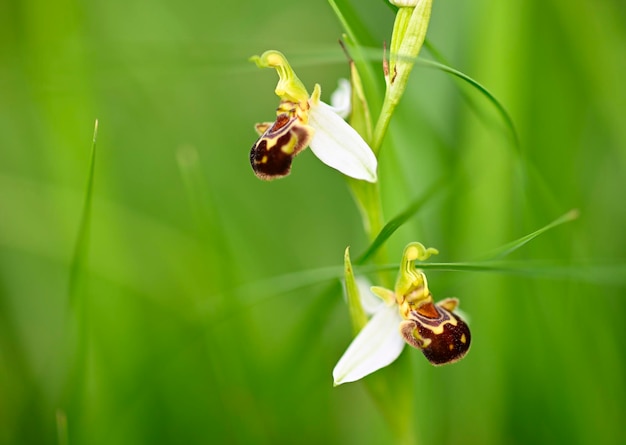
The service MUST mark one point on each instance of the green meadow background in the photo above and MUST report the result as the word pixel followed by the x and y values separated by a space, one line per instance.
pixel 181 310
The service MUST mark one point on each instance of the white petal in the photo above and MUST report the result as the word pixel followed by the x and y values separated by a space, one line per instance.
pixel 370 302
pixel 341 99
pixel 339 146
pixel 378 344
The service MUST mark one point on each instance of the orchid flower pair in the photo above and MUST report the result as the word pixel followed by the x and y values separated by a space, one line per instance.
pixel 407 314
pixel 303 121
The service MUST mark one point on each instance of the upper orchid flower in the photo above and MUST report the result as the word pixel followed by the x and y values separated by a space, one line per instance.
pixel 438 332
pixel 306 121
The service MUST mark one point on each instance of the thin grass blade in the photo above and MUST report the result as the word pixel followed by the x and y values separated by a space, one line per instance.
pixel 79 258
pixel 506 117
pixel 511 247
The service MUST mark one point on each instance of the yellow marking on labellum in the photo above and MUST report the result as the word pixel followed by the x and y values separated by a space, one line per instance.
pixel 433 317
pixel 270 143
pixel 442 339
pixel 272 154
pixel 289 147
pixel 440 327
pixel 425 342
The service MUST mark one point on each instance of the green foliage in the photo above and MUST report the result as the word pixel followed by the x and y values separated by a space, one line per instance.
pixel 210 309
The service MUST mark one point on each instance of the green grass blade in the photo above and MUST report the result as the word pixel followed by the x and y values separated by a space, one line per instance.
pixel 294 281
pixel 582 272
pixel 588 272
pixel 511 247
pixel 75 380
pixel 506 117
pixel 79 258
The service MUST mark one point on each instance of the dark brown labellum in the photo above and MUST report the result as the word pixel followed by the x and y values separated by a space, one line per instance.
pixel 441 335
pixel 272 154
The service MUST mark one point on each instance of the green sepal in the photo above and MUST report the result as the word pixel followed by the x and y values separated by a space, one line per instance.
pixel 357 314
pixel 360 119
pixel 388 296
pixel 409 32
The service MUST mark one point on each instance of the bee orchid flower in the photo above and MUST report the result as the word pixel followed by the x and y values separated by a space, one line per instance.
pixel 305 121
pixel 408 315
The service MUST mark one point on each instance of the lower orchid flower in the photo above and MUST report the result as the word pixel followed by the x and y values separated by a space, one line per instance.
pixel 408 315
pixel 306 121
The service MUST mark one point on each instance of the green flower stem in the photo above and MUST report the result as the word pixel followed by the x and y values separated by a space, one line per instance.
pixel 382 124
pixel 395 401
pixel 381 387
pixel 408 36
pixel 407 39
pixel 369 202
pixel 366 194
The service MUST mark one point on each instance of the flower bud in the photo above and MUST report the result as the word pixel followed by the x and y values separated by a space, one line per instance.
pixel 409 32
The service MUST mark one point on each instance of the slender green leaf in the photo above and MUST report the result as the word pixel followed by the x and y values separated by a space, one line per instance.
pixel 509 248
pixel 75 380
pixel 398 221
pixel 79 258
pixel 506 117
pixel 587 272
pixel 582 272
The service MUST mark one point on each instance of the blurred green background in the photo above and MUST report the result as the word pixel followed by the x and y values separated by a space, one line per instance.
pixel 175 335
